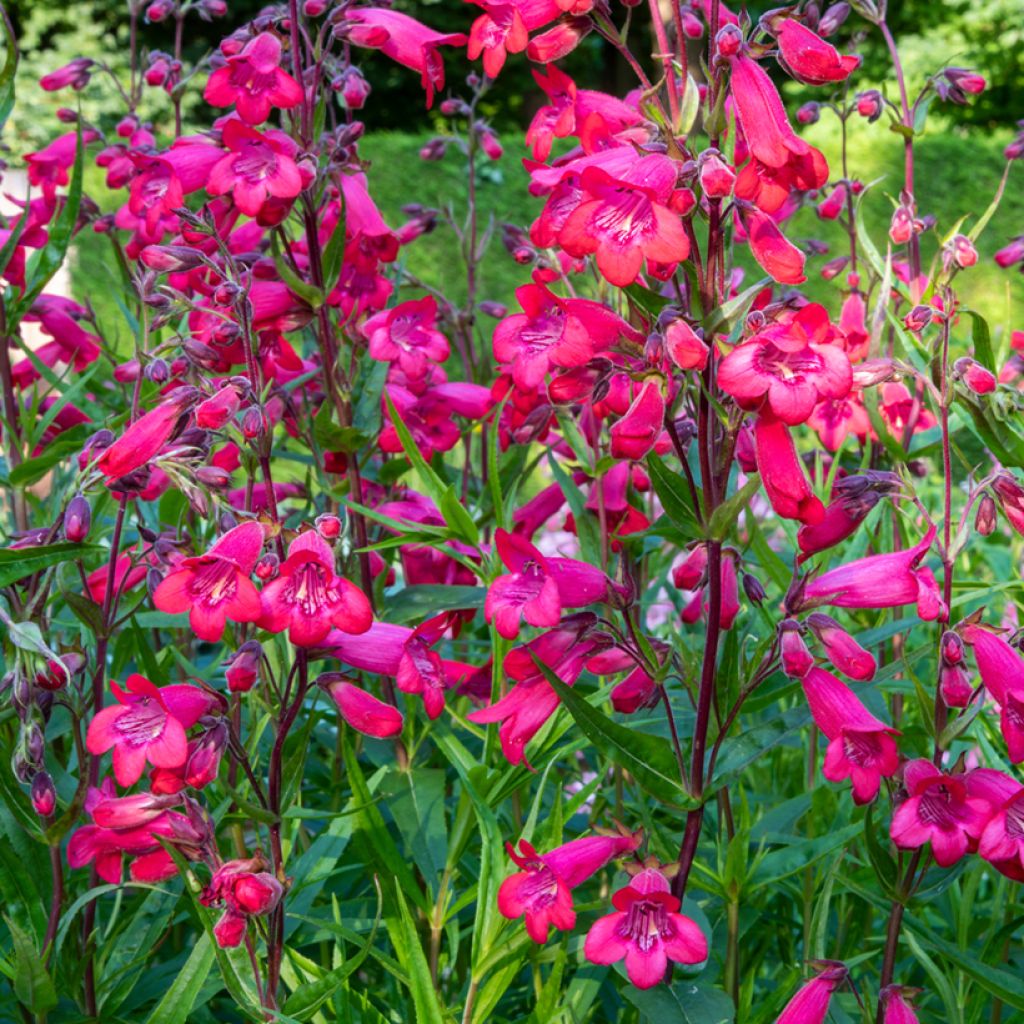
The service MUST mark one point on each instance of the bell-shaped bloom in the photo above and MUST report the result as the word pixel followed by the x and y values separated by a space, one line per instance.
pixel 633 435
pixel 880 581
pixel 691 572
pixel 1010 496
pixel 1002 839
pixel 215 587
pixel 201 763
pixel 147 723
pixel 780 259
pixel 244 888
pixel 363 711
pixel 842 649
pixel 638 690
pixel 790 367
pixel 808 58
pixel 1002 671
pixel 142 441
pixel 505 28
pixel 307 598
pixel 861 747
pixel 420 668
pixel 407 335
pixel 685 347
pixel 542 890
pixel 626 221
pixel 253 81
pixel 896 1005
pixel 405 40
pixel 939 809
pixel 647 930
pixel 219 409
pixel 553 332
pixel 782 473
pixel 797 660
pixel 810 1004
pixel 259 166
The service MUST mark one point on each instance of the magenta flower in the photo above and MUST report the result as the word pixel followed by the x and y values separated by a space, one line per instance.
pixel 404 40
pixel 215 587
pixel 775 254
pixel 1002 671
pixel 634 434
pixel 897 1005
pixel 420 668
pixel 364 712
pixel 307 598
pixel 542 891
pixel 939 809
pixel 842 649
pixel 790 367
pixel 552 331
pixel 782 473
pixel 253 81
pixel 808 58
pixel 147 723
pixel 259 166
pixel 810 1004
pixel 880 581
pixel 627 221
pixel 407 335
pixel 505 28
pixel 638 690
pixel 245 888
pixel 647 929
pixel 861 748
pixel 1002 839
pixel 797 660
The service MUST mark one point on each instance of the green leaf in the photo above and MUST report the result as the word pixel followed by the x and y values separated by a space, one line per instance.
pixel 309 293
pixel 981 338
pixel 16 564
pixel 727 316
pixel 683 1003
pixel 881 859
pixel 8 71
pixel 32 982
pixel 675 497
pixel 32 470
pixel 457 518
pixel 724 518
pixel 410 954
pixel 649 301
pixel 181 996
pixel 416 804
pixel 424 600
pixel 649 759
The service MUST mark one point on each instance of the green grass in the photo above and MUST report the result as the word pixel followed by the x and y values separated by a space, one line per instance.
pixel 957 175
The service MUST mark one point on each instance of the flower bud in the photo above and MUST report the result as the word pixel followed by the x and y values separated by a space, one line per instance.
pixel 985 517
pixel 314 8
pixel 962 251
pixel 328 526
pixel 243 670
pixel 693 27
pixel 901 227
pixel 918 319
pixel 267 567
pixel 809 113
pixel 716 176
pixel 728 41
pixel 834 267
pixel 254 423
pixel 44 795
pixel 77 519
pixel 869 104
pixel 974 375
pixel 873 372
pixel 797 660
pixel 833 19
pixel 753 588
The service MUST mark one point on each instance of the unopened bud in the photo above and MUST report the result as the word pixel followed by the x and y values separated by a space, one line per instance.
pixel 985 517
pixel 44 795
pixel 328 526
pixel 753 588
pixel 728 41
pixel 77 519
pixel 267 567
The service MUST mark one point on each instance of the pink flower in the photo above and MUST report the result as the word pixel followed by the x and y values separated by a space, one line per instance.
pixel 808 58
pixel 307 598
pixel 420 668
pixel 810 1004
pixel 219 409
pixel 647 929
pixel 215 587
pixel 363 712
pixel 49 167
pixel 685 347
pixel 404 40
pixel 634 434
pixel 245 887
pixel 940 809
pixel 638 690
pixel 775 254
pixel 542 891
pixel 1002 671
pixel 505 28
pixel 407 334
pixel 259 166
pixel 779 161
pixel 126 575
pixel 790 366
pixel 253 81
pixel 861 748
pixel 625 221
pixel 897 1006
pixel 147 723
pixel 843 651
pixel 797 660
pixel 1002 839
pixel 201 763
pixel 142 441
pixel 880 581
pixel 552 331
pixel 782 473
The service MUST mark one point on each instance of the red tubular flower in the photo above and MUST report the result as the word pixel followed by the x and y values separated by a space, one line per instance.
pixel 505 28
pixel 880 581
pixel 782 472
pixel 407 335
pixel 363 711
pixel 253 81
pixel 797 660
pixel 775 254
pixel 945 810
pixel 142 441
pixel 779 161
pixel 625 221
pixel 638 690
pixel 147 723
pixel 897 1006
pixel 843 651
pixel 808 58
pixel 259 166
pixel 810 1004
pixel 245 888
pixel 307 598
pixel 861 747
pixel 542 891
pixel 647 930
pixel 216 587
pixel 1002 839
pixel 633 436
pixel 1002 671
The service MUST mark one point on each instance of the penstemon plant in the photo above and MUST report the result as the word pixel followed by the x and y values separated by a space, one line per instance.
pixel 376 652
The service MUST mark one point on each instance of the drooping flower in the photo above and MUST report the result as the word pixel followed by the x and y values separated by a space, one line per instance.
pixel 797 660
pixel 307 598
pixel 634 434
pixel 810 1004
pixel 505 28
pixel 776 254
pixel 897 1006
pixel 1002 839
pixel 259 166
pixel 216 587
pixel 362 710
pixel 939 809
pixel 253 81
pixel 420 668
pixel 1002 671
pixel 147 723
pixel 782 473
pixel 542 890
pixel 842 649
pixel 861 747
pixel 647 929
pixel 808 58
pixel 142 441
